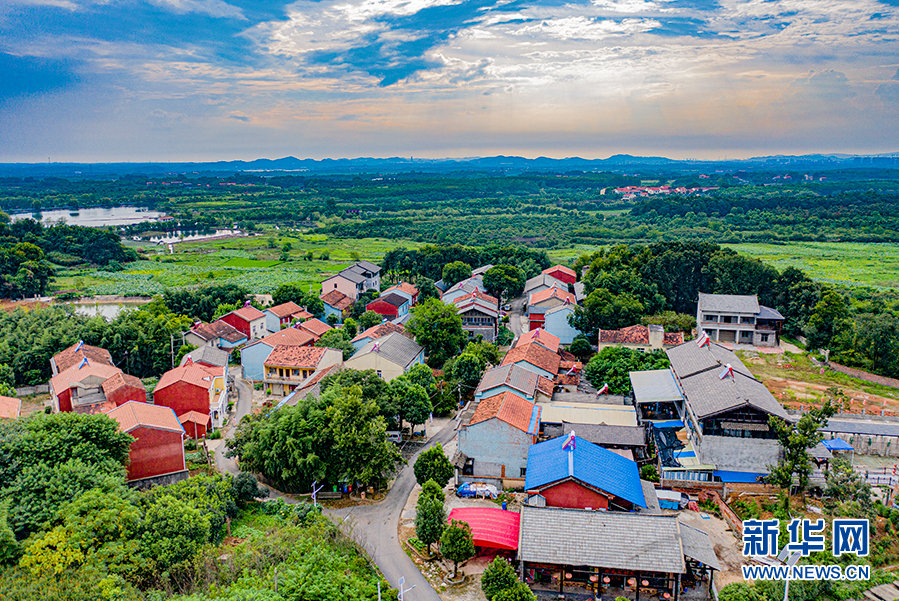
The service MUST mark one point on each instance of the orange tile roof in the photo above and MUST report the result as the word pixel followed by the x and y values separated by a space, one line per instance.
pixel 133 415
pixel 69 357
pixel 120 380
pixel 545 385
pixel 248 313
pixel 476 293
pixel 539 336
pixel 316 326
pixel 563 269
pixel 637 334
pixel 554 292
pixel 337 299
pixel 536 355
pixel 404 287
pixel 289 336
pixel 192 373
pixel 302 315
pixel 10 408
pixel 285 309
pixel 218 329
pixel 673 338
pixel 73 375
pixel 195 417
pixel 318 377
pixel 295 356
pixel 509 408
pixel 382 329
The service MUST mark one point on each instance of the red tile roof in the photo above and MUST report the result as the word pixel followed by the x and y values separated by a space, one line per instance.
pixel 539 336
pixel 302 315
pixel 133 415
pixel 289 336
pixel 536 355
pixel 121 380
pixel 382 329
pixel 10 408
pixel 285 309
pixel 545 385
pixel 248 313
pixel 509 408
pixel 218 329
pixel 476 293
pixel 194 417
pixel 295 356
pixel 566 270
pixel 638 334
pixel 673 338
pixel 404 287
pixel 337 299
pixel 70 356
pixel 73 375
pixel 316 327
pixel 192 373
pixel 554 292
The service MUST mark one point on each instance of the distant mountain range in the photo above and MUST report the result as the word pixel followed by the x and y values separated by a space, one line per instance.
pixel 496 164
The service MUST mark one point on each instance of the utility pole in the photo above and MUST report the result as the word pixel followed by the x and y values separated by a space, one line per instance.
pixel 172 339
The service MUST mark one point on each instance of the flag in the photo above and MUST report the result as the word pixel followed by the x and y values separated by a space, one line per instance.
pixel 569 442
pixel 189 361
pixel 728 371
pixel 603 390
pixel 375 347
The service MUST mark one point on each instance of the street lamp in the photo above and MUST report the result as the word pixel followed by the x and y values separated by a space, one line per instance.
pixel 402 590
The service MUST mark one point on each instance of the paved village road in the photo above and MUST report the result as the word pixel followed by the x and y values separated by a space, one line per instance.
pixel 516 318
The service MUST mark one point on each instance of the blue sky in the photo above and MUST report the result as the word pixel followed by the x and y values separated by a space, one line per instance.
pixel 136 80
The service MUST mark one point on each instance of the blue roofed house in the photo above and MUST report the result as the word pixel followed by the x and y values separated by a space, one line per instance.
pixel 571 472
pixel 494 443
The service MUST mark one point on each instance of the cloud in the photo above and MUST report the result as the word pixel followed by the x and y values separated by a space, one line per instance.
pixel 213 8
pixel 239 116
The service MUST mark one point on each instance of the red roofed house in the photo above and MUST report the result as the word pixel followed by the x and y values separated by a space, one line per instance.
pixel 194 387
pixel 390 305
pixel 254 354
pixel 157 452
pixel 542 301
pixel 535 358
pixel 122 388
pixel 195 424
pixel 562 273
pixel 280 316
pixel 378 331
pixel 10 408
pixel 316 327
pixel 496 439
pixel 404 289
pixel 249 320
pixel 541 337
pixel 75 354
pixel 80 388
pixel 337 304
pixel 642 338
pixel 287 367
pixel 218 334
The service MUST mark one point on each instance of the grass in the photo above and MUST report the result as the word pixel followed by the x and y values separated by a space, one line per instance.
pixel 241 262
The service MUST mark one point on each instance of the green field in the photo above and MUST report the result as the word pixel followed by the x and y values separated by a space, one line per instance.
pixel 251 261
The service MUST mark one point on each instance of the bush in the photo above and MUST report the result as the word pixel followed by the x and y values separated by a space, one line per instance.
pixel 498 576
pixel 214 435
pixel 649 473
pixel 433 465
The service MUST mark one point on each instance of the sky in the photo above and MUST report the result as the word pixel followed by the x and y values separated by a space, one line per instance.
pixel 199 80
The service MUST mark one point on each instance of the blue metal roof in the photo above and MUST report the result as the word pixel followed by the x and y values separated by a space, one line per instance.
pixel 837 444
pixel 592 465
pixel 673 423
pixel 734 477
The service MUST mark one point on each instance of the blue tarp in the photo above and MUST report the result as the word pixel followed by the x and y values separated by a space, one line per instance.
pixel 685 453
pixel 738 477
pixel 837 444
pixel 674 423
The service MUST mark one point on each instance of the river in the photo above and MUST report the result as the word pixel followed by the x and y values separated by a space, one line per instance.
pixel 96 217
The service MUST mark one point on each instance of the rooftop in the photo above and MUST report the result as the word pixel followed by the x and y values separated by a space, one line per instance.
pixel 78 373
pixel 192 373
pixel 379 331
pixel 403 287
pixel 284 355
pixel 337 299
pixel 588 413
pixel 543 279
pixel 285 309
pixel 566 270
pixel 729 303
pixel 655 386
pixel 558 292
pixel 78 352
pixel 120 380
pixel 290 336
pixel 133 415
pixel 316 327
pixel 511 409
pixel 638 334
pixel 218 329
pixel 394 347
pixel 248 313
pixel 513 376
pixel 207 354
pixel 394 299
pixel 10 408
pixel 536 355
pixel 541 337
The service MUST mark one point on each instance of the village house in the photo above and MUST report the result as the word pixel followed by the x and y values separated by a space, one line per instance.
pixel 288 366
pixel 375 332
pixel 207 355
pixel 561 273
pixel 253 356
pixel 248 320
pixel 738 319
pixel 194 387
pixel 518 380
pixel 392 306
pixel 480 314
pixel 627 441
pixel 406 290
pixel 88 382
pixel 556 322
pixel 354 280
pixel 281 316
pixel 542 282
pixel 10 408
pixel 640 338
pixel 494 443
pixel 535 358
pixel 541 302
pixel 541 337
pixel 477 274
pixel 315 327
pixel 157 454
pixel 630 555
pixel 389 356
pixel 569 471
pixel 77 353
pixel 467 286
pixel 337 304
pixel 218 334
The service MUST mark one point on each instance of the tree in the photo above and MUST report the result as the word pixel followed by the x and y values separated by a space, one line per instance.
pixel 796 439
pixel 422 376
pixel 580 347
pixel 438 328
pixel 373 387
pixel 369 319
pixel 499 575
pixel 468 368
pixel 339 339
pixel 671 321
pixel 173 531
pixel 846 493
pixel 245 489
pixel 612 365
pixel 286 293
pixel 455 272
pixel 433 465
pixel 9 547
pixel 359 306
pixel 504 281
pixel 430 520
pixel 426 289
pixel 184 349
pixel 350 327
pixel 410 402
pixel 738 591
pixel 456 544
pixel 433 490
pixel 517 592
pixel 606 311
pixel 829 322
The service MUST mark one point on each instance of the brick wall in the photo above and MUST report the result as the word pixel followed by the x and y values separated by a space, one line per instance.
pixel 863 375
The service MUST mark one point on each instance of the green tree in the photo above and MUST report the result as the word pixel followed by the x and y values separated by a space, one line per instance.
pixel 846 492
pixel 430 520
pixel 409 402
pixel 184 349
pixel 369 319
pixel 422 376
pixel 796 438
pixel 504 281
pixel 580 347
pixel 650 473
pixel 829 323
pixel 456 544
pixel 671 321
pixel 433 490
pixel 350 327
pixel 518 592
pixel 245 489
pixel 607 311
pixel 339 339
pixel 433 465
pixel 9 547
pixel 468 368
pixel 438 328
pixel 455 272
pixel 211 495
pixel 498 576
pixel 173 531
pixel 426 289
pixel 738 591
pixel 612 365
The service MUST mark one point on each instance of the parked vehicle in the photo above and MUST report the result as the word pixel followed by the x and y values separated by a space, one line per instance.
pixel 477 490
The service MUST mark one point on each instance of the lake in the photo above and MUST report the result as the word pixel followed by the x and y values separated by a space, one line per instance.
pixel 107 310
pixel 179 236
pixel 97 217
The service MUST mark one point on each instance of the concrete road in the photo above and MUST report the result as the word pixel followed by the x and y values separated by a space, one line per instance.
pixel 516 318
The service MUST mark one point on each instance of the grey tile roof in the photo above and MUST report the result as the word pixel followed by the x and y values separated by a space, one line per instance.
pixel 623 541
pixel 769 313
pixel 579 292
pixel 689 358
pixel 697 546
pixel 394 347
pixel 352 275
pixel 652 499
pixel 369 266
pixel 600 434
pixel 394 299
pixel 207 354
pixel 482 269
pixel 654 386
pixel 729 303
pixel 857 426
pixel 515 377
pixel 543 280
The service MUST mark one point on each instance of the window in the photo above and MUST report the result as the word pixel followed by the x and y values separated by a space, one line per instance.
pixel 379 374
pixel 727 319
pixel 747 320
pixel 710 318
pixel 745 335
pixel 523 471
pixel 764 337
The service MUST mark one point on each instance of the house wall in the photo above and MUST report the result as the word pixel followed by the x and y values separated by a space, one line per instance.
pixel 557 325
pixel 329 310
pixel 338 282
pixel 63 400
pixel 536 320
pixel 183 397
pixel 250 329
pixel 192 338
pixel 251 359
pixel 384 308
pixel 273 322
pixel 501 390
pixel 122 395
pixel 155 452
pixel 560 275
pixel 193 430
pixel 495 441
pixel 376 361
pixel 574 496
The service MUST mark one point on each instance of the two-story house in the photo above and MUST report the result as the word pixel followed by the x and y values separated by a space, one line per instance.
pixel 194 387
pixel 288 366
pixel 389 356
pixel 738 319
pixel 337 304
pixel 479 313
pixel 281 316
pixel 249 320
pixel 392 306
pixel 217 334
pixel 354 280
